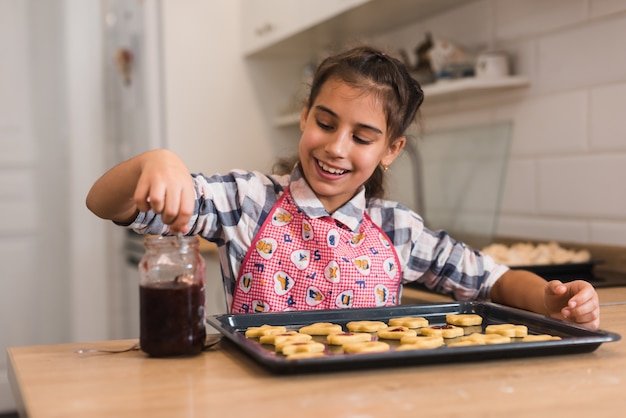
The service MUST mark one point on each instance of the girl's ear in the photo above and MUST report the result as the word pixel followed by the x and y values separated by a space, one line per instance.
pixel 393 151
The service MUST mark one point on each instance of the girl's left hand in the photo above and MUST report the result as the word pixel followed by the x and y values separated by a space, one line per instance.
pixel 575 301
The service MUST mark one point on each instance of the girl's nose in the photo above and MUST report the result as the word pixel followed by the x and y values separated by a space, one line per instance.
pixel 338 143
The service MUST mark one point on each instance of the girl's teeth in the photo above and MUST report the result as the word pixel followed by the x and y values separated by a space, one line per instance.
pixel 330 169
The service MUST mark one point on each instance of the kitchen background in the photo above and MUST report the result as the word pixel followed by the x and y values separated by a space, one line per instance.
pixel 208 79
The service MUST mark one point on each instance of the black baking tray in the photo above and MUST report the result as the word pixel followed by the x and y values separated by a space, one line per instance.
pixel 575 339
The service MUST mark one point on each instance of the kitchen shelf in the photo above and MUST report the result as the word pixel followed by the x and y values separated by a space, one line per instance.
pixel 440 90
pixel 363 18
pixel 458 87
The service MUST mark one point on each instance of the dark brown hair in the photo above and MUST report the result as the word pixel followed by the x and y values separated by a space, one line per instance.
pixel 375 72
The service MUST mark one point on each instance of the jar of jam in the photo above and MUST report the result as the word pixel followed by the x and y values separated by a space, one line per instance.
pixel 171 297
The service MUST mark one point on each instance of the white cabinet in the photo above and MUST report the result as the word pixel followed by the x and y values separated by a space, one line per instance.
pixel 266 21
pixel 289 27
pixel 269 22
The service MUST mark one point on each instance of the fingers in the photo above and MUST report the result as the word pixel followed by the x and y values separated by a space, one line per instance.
pixel 174 200
pixel 576 301
pixel 584 306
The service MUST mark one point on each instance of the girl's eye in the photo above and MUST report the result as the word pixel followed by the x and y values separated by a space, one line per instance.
pixel 324 126
pixel 360 140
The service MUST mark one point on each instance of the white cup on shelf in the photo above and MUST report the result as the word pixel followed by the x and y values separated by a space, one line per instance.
pixel 492 64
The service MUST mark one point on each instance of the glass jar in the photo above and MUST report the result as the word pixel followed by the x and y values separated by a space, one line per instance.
pixel 171 297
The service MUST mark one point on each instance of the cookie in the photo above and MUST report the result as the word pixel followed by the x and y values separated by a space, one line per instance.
pixel 486 338
pixel 269 339
pixel 321 328
pixel 283 340
pixel 540 337
pixel 446 331
pixel 366 347
pixel 416 342
pixel 395 333
pixel 348 337
pixel 464 320
pixel 508 330
pixel 253 332
pixel 409 322
pixel 365 326
pixel 302 347
pixel 305 355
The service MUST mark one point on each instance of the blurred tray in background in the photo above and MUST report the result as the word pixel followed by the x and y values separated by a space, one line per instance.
pixel 564 272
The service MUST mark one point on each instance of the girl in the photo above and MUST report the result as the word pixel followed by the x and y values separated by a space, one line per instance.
pixel 323 237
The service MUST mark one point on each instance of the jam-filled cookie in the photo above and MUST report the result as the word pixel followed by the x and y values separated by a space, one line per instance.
pixel 348 337
pixel 409 322
pixel 321 328
pixel 366 347
pixel 395 333
pixel 365 326
pixel 302 347
pixel 508 330
pixel 446 331
pixel 284 340
pixel 253 332
pixel 464 320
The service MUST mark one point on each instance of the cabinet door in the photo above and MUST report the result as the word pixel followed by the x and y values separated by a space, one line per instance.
pixel 266 22
pixel 319 10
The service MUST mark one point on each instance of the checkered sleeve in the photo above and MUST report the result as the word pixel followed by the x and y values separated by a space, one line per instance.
pixel 434 258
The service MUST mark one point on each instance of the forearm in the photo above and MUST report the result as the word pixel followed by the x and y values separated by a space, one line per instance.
pixel 111 196
pixel 520 289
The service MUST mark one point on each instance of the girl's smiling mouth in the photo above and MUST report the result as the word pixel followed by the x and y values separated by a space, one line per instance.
pixel 331 170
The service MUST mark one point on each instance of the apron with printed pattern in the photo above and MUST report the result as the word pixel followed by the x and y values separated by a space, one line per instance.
pixel 299 263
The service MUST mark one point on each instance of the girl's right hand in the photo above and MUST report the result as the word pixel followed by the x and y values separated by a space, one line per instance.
pixel 156 180
pixel 165 185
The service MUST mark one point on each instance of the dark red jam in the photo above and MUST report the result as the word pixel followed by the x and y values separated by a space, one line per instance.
pixel 172 318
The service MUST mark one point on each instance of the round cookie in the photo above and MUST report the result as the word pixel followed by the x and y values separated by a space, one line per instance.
pixel 464 320
pixel 409 322
pixel 253 332
pixel 420 342
pixel 508 330
pixel 348 337
pixel 446 331
pixel 321 328
pixel 366 347
pixel 395 333
pixel 302 347
pixel 365 326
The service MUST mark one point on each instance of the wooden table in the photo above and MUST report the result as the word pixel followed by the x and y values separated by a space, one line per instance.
pixel 54 381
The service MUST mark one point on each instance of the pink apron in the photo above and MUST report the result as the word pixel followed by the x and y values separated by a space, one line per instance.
pixel 299 263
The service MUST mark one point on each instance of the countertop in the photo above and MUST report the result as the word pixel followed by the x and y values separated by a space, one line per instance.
pixel 55 381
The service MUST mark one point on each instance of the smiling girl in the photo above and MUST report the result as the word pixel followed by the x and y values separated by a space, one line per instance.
pixel 323 236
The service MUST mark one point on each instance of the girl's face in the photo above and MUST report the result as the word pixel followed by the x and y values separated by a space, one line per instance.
pixel 344 138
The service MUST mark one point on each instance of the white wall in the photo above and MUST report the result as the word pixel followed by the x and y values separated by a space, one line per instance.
pixel 568 151
pixel 213 120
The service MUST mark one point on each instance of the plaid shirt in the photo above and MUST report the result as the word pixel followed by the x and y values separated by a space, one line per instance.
pixel 231 208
